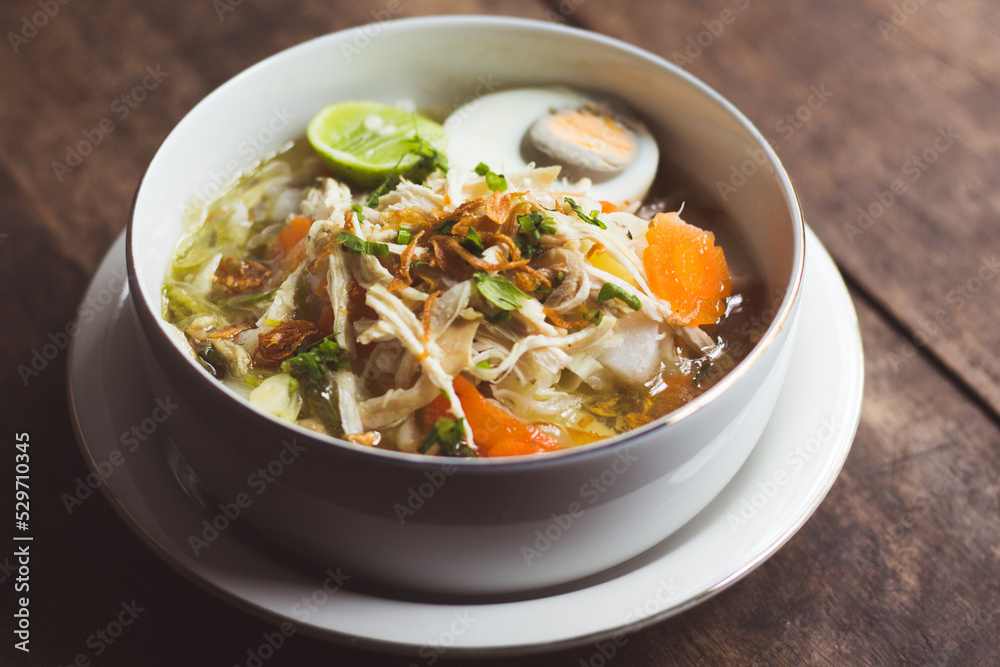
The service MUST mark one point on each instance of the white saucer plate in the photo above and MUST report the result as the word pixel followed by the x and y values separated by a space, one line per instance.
pixel 781 484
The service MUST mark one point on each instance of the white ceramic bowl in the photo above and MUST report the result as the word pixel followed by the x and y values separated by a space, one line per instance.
pixel 445 525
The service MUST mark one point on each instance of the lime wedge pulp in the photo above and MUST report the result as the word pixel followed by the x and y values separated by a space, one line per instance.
pixel 364 142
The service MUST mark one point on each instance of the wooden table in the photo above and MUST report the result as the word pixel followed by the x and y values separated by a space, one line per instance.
pixel 901 563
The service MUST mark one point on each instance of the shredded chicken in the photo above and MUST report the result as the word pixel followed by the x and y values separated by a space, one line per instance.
pixel 444 279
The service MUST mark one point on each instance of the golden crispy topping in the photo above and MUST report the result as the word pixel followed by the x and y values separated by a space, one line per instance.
pixel 228 333
pixel 240 276
pixel 402 278
pixel 281 342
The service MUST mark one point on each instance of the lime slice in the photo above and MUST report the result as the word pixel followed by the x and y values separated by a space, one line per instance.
pixel 365 143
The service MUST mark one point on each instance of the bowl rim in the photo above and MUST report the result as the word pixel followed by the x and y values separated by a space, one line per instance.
pixel 419 462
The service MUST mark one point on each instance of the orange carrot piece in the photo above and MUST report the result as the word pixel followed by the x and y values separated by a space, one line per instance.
pixel 293 232
pixel 608 207
pixel 497 431
pixel 685 267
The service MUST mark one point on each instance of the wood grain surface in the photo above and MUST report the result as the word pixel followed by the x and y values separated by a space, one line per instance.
pixel 884 113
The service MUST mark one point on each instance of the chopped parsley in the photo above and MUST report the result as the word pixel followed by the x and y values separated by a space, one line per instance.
pixel 611 291
pixel 592 218
pixel 312 361
pixel 449 434
pixel 357 245
pixel 499 291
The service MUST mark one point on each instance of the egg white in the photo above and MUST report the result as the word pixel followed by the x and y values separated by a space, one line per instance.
pixel 493 129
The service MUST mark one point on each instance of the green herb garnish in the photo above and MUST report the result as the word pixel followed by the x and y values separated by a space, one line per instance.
pixel 611 291
pixel 431 159
pixel 449 434
pixel 495 182
pixel 473 242
pixel 312 368
pixel 594 316
pixel 312 361
pixel 535 224
pixel 499 291
pixel 485 363
pixel 445 227
pixel 526 248
pixel 403 235
pixel 357 245
pixel 377 193
pixel 592 218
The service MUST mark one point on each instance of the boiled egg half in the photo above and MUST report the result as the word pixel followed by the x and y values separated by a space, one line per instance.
pixel 589 138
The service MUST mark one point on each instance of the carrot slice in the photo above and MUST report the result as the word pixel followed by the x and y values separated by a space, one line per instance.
pixel 497 431
pixel 293 232
pixel 685 267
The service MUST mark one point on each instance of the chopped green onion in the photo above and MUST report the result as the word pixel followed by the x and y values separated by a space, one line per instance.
pixel 403 235
pixel 535 224
pixel 485 363
pixel 495 182
pixel 358 245
pixel 592 218
pixel 594 316
pixel 611 291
